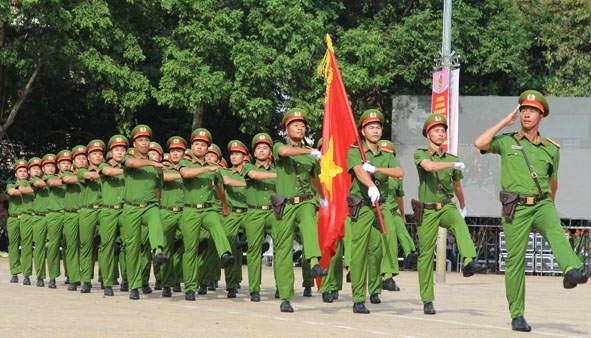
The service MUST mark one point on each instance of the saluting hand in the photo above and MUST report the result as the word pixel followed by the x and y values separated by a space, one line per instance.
pixel 510 119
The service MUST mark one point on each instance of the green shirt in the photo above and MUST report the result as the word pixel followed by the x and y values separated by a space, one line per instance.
pixel 112 187
pixel 173 193
pixel 258 192
pixel 429 192
pixel 235 196
pixel 141 183
pixel 381 159
pixel 91 188
pixel 41 196
pixel 14 202
pixel 27 199
pixel 74 195
pixel 287 184
pixel 543 155
pixel 56 195
pixel 201 189
pixel 395 189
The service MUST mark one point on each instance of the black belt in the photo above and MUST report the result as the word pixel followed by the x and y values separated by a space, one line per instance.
pixel 175 209
pixel 139 205
pixel 199 205
pixel 115 206
pixel 91 206
pixel 298 199
pixel 368 203
pixel 15 216
pixel 260 207
pixel 72 211
pixel 531 200
pixel 27 213
pixel 437 205
pixel 42 214
pixel 239 210
pixel 61 211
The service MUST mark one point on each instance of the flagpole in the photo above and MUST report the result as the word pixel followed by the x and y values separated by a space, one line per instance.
pixel 446 62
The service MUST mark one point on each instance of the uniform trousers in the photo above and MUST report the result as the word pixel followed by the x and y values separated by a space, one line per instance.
pixel 448 217
pixel 14 240
pixel 543 217
pixel 302 215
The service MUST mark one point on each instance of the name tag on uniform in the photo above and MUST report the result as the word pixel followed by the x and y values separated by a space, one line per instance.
pixel 516 147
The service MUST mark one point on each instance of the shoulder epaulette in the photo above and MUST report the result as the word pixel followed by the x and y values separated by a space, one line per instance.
pixel 553 142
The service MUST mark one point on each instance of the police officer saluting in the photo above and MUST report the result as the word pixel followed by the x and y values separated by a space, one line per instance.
pixel 529 180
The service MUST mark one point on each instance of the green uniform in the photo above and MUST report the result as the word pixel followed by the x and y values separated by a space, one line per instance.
pixel 140 208
pixel 448 216
pixel 368 225
pixel 236 199
pixel 333 281
pixel 71 233
pixel 26 230
pixel 88 220
pixel 395 189
pixel 201 210
pixel 301 214
pixel 258 220
pixel 171 207
pixel 112 190
pixel 55 225
pixel 544 157
pixel 14 231
pixel 40 228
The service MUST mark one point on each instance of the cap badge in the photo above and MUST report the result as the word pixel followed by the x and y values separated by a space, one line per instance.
pixel 531 97
pixel 143 129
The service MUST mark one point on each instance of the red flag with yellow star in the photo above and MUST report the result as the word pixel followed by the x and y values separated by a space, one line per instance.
pixel 339 132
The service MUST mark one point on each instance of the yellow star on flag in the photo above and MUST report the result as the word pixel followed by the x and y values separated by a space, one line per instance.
pixel 329 169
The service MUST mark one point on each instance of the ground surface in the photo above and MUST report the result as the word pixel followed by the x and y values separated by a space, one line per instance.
pixel 473 306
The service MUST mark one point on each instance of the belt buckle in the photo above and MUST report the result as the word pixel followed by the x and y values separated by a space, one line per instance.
pixel 530 200
pixel 19 216
pixel 438 206
pixel 199 206
pixel 32 214
pixel 238 211
pixel 143 205
pixel 265 207
pixel 296 200
pixel 96 206
pixel 117 206
pixel 176 209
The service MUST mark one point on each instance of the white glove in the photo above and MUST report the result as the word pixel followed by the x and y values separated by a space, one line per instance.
pixel 323 203
pixel 459 165
pixel 369 168
pixel 374 194
pixel 464 212
pixel 316 154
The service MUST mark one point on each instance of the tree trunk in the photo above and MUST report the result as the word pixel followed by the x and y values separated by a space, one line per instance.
pixel 197 117
pixel 22 94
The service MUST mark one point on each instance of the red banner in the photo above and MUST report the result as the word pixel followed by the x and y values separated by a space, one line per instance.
pixel 440 98
pixel 339 132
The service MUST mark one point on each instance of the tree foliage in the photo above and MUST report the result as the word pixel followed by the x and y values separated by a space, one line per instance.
pixel 75 69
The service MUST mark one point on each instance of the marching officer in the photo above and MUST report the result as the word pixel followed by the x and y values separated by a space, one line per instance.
pixel 55 215
pixel 364 192
pixel 72 204
pixel 112 186
pixel 203 188
pixel 298 168
pixel 171 211
pixel 143 180
pixel 529 180
pixel 439 180
pixel 89 214
pixel 14 219
pixel 28 217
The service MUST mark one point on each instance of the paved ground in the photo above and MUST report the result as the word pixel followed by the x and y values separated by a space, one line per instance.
pixel 473 306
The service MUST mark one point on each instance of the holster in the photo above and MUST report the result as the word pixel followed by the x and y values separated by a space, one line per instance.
pixel 354 205
pixel 417 208
pixel 278 203
pixel 509 201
